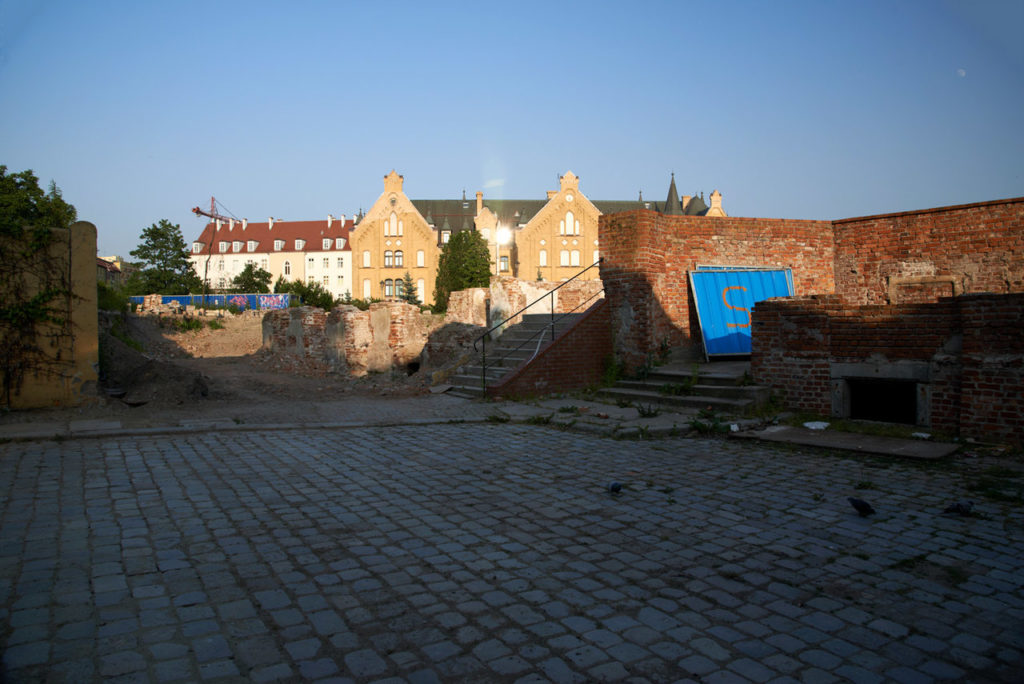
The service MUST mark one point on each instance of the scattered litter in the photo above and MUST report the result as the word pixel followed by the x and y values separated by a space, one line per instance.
pixel 734 428
pixel 921 435
pixel 816 425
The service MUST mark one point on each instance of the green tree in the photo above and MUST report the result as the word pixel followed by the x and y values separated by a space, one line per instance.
pixel 312 294
pixel 252 279
pixel 407 290
pixel 464 263
pixel 166 268
pixel 24 204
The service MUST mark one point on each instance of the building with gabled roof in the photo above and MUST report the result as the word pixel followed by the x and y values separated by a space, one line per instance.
pixel 309 251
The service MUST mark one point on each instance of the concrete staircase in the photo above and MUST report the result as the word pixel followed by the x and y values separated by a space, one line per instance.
pixel 517 344
pixel 724 386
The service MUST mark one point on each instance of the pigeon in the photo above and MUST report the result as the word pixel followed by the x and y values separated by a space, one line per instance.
pixel 614 487
pixel 963 508
pixel 862 507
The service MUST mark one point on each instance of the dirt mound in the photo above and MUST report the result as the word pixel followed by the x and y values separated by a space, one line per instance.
pixel 136 378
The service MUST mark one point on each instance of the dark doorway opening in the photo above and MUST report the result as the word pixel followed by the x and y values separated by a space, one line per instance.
pixel 890 401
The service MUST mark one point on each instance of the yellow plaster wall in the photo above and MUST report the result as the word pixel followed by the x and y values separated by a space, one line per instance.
pixel 542 233
pixel 416 235
pixel 74 377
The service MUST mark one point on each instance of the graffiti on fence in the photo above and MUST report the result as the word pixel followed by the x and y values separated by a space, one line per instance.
pixel 240 301
pixel 274 301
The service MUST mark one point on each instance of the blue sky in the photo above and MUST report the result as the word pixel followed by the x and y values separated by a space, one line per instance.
pixel 818 110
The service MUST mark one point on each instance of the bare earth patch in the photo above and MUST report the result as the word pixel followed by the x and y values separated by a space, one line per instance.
pixel 215 374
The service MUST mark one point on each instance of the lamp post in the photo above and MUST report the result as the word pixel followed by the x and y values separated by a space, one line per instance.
pixel 383 298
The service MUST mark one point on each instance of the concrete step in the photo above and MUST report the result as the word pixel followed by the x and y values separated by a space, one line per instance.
pixel 725 405
pixel 755 393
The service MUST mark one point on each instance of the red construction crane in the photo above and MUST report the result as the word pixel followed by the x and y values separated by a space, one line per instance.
pixel 212 213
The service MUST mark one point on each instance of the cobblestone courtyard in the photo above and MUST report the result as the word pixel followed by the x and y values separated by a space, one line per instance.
pixel 493 553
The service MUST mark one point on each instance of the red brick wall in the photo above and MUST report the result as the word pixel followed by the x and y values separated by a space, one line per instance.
pixel 973 345
pixel 921 255
pixel 647 258
pixel 573 360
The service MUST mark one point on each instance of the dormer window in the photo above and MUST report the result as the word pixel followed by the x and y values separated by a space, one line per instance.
pixel 224 245
pixel 278 245
pixel 197 247
pixel 236 246
pixel 326 243
pixel 339 243
pixel 251 245
pixel 299 245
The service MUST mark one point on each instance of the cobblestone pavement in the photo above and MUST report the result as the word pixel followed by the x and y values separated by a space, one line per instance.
pixel 493 553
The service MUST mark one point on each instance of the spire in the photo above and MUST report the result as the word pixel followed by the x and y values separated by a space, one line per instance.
pixel 672 206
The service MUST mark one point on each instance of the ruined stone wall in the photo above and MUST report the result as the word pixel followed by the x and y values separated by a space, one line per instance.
pixel 388 335
pixel 509 295
pixel 924 255
pixel 574 360
pixel 468 306
pixel 965 353
pixel 648 257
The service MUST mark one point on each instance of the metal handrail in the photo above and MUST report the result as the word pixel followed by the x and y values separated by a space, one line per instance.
pixel 550 326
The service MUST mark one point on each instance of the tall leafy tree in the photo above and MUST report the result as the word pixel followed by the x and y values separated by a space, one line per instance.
pixel 165 266
pixel 464 263
pixel 407 290
pixel 252 279
pixel 23 204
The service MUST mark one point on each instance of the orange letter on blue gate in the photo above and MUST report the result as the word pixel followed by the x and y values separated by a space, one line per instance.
pixel 736 308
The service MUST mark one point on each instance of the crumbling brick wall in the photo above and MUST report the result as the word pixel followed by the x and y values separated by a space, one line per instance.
pixel 574 360
pixel 932 253
pixel 648 257
pixel 388 335
pixel 971 346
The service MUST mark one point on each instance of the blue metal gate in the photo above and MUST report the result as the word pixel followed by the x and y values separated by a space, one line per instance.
pixel 724 298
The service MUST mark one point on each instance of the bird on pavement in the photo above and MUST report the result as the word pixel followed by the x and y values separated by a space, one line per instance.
pixel 963 508
pixel 862 507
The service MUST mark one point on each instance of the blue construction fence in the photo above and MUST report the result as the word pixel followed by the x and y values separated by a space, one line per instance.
pixel 242 301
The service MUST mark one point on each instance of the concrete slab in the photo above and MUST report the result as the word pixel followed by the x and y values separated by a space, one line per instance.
pixel 850 441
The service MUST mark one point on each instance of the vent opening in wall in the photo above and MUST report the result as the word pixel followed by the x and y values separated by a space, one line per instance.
pixel 887 400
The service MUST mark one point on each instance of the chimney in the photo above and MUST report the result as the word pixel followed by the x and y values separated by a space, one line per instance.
pixel 330 220
pixel 231 224
pixel 218 224
pixel 479 202
pixel 686 201
pixel 342 219
pixel 245 222
pixel 271 222
pixel 552 193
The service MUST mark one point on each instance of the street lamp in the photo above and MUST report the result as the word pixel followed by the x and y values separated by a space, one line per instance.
pixel 382 289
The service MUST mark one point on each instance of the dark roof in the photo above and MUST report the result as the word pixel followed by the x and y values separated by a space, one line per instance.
pixel 672 206
pixel 696 207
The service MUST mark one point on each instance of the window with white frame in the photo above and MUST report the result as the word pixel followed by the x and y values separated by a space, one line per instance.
pixel 224 246
pixel 504 263
pixel 251 246
pixel 339 243
pixel 421 258
pixel 366 259
pixel 300 245
pixel 399 258
pixel 421 289
pixel 326 243
pixel 563 257
pixel 310 261
pixel 574 257
pixel 366 288
pixel 278 245
pixel 341 262
pixel 236 246
pixel 597 256
pixel 197 247
pixel 388 258
pixel 389 287
pixel 446 235
pixel 327 262
pixel 542 258
pixel 327 281
pixel 287 270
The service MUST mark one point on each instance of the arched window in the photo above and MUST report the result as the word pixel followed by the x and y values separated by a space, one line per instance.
pixel 574 257
pixel 388 259
pixel 392 225
pixel 569 230
pixel 400 229
pixel 543 257
pixel 563 258
pixel 366 258
pixel 597 256
pixel 421 258
pixel 421 289
pixel 366 288
pixel 398 287
pixel 287 268
pixel 399 258
pixel 389 287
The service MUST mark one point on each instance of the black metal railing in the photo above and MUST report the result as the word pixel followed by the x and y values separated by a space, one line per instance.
pixel 539 335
